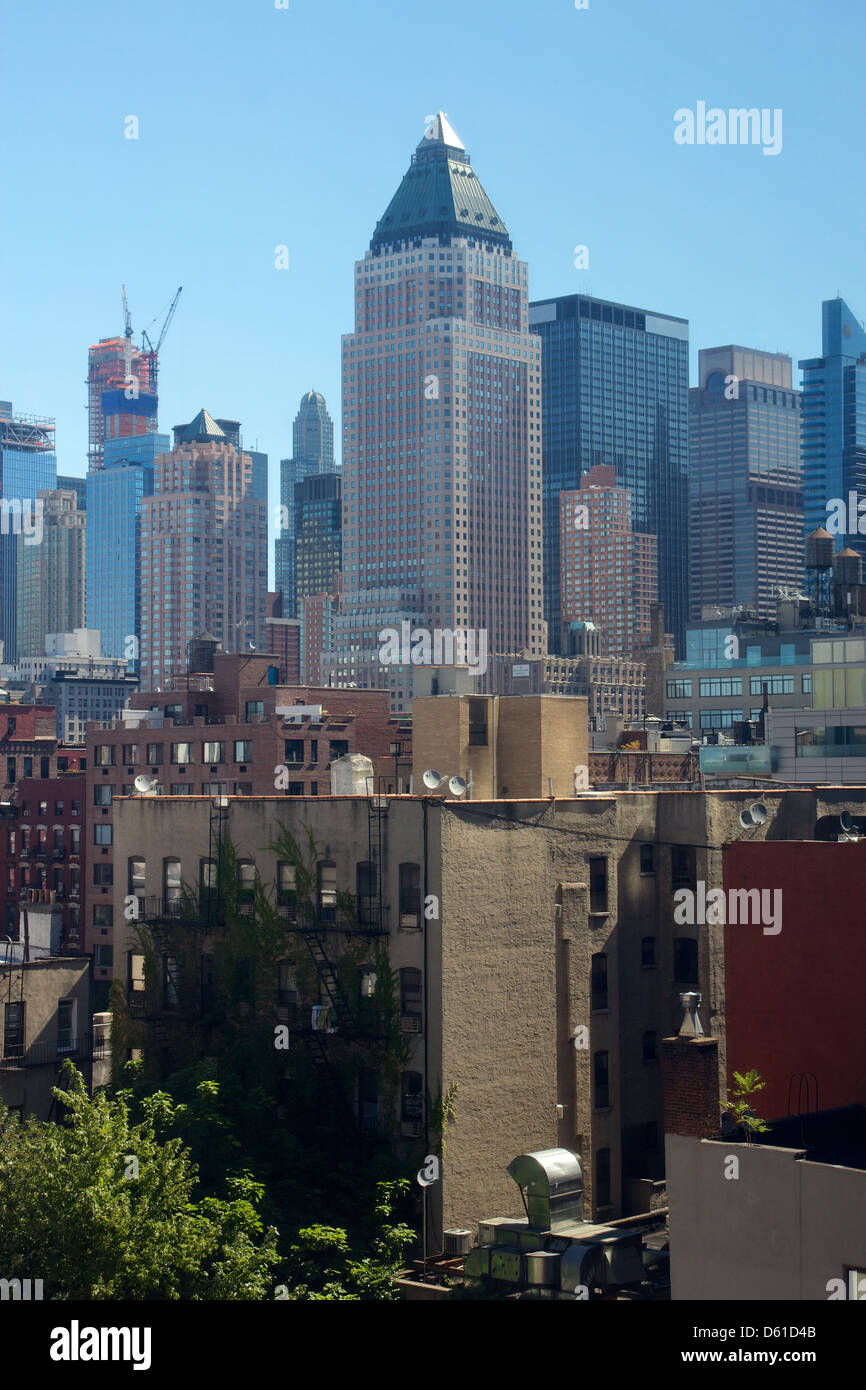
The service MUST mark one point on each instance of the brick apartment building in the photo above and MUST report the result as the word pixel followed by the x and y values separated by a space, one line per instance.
pixel 547 981
pixel 41 818
pixel 230 732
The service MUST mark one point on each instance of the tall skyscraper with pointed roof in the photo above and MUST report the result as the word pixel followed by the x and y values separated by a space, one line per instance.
pixel 312 453
pixel 834 427
pixel 441 428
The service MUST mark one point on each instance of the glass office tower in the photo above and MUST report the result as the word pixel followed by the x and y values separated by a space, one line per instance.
pixel 28 465
pixel 834 425
pixel 615 384
pixel 114 497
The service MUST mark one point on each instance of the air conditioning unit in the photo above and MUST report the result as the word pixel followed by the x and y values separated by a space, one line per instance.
pixel 409 921
pixel 409 1023
pixel 456 1241
pixel 411 1129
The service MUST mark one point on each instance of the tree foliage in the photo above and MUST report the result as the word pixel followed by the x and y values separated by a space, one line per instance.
pixel 101 1208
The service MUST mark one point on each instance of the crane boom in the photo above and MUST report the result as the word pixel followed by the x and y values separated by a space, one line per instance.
pixel 168 318
pixel 127 316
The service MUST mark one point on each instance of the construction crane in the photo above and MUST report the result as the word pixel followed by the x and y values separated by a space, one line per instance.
pixel 127 316
pixel 150 349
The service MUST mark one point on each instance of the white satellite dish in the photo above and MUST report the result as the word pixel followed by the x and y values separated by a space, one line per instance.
pixel 847 823
pixel 432 779
pixel 144 785
pixel 758 812
pixel 456 786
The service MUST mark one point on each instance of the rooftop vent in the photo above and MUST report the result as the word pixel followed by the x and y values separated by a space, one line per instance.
pixel 551 1184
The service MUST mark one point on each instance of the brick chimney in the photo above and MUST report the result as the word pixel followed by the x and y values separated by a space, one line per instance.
pixel 690 1077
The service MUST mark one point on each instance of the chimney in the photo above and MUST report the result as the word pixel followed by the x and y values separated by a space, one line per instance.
pixel 690 1077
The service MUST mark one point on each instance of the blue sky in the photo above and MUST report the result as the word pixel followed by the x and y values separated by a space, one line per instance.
pixel 261 127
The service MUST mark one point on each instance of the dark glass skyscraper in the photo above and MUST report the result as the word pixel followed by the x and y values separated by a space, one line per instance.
pixel 615 384
pixel 745 495
pixel 312 453
pixel 834 424
pixel 318 535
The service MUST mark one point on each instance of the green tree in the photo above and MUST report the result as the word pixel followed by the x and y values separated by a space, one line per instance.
pixel 321 1264
pixel 739 1105
pixel 100 1208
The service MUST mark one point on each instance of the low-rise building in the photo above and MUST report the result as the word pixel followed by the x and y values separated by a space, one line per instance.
pixel 45 1003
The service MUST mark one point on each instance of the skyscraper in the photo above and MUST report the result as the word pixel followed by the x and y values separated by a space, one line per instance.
pixel 120 401
pixel 51 574
pixel 28 465
pixel 616 383
pixel 318 534
pixel 312 453
pixel 115 492
pixel 609 573
pixel 441 427
pixel 745 496
pixel 834 427
pixel 204 560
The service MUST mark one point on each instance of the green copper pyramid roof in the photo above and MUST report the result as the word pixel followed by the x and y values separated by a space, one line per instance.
pixel 199 430
pixel 441 195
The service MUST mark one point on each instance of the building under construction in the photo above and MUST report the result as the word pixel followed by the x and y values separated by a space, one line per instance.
pixel 122 392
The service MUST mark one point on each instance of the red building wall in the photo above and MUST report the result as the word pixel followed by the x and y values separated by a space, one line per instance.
pixel 794 1002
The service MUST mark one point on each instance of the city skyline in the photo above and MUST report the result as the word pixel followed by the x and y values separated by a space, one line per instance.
pixel 295 316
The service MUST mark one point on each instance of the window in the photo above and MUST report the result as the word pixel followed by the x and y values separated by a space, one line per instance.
pixel 649 1047
pixel 410 993
pixel 776 685
pixel 477 723
pixel 64 1025
pixel 295 789
pixel 294 750
pixel 130 753
pixel 721 685
pixel 326 874
pixel 602 1178
pixel 648 950
pixel 102 834
pixel 601 1079
pixel 103 875
pixel 171 885
pixel 102 794
pixel 682 866
pixel 598 981
pixel 214 752
pixel 807 682
pixel 598 884
pixel 286 893
pixel 103 755
pixel 338 748
pixel 246 881
pixel 412 1097
pixel 647 859
pixel 254 709
pixel 181 754
pixel 410 895
pixel 685 960
pixel 103 915
pixel 58 808
pixel 155 754
pixel 679 690
pixel 135 978
pixel 243 750
pixel 136 875
pixel 13 1030
pixel 366 887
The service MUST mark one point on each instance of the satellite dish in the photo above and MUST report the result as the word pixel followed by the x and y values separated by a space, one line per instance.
pixel 758 812
pixel 746 819
pixel 143 784
pixel 432 779
pixel 456 786
pixel 846 822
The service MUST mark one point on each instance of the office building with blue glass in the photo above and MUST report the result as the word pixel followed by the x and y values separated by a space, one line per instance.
pixel 312 454
pixel 114 497
pixel 28 465
pixel 615 382
pixel 834 429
